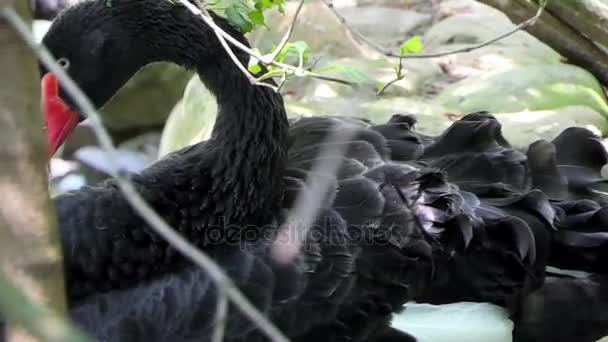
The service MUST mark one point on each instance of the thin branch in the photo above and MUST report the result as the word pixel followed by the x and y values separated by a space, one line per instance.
pixel 286 37
pixel 388 84
pixel 389 53
pixel 155 221
pixel 399 77
pixel 333 79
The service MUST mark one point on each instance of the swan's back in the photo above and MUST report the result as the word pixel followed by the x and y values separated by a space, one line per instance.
pixel 412 225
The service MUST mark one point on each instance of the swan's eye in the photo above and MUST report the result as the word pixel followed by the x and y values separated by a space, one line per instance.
pixel 64 63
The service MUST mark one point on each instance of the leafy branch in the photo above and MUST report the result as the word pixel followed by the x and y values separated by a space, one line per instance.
pixel 413 45
pixel 287 68
pixel 244 14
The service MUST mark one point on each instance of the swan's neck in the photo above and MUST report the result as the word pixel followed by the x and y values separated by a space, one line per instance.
pixel 248 142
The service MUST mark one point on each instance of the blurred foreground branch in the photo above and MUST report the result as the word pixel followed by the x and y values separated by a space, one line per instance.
pixel 571 27
pixel 29 250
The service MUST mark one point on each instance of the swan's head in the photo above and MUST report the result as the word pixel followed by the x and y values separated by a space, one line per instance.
pixel 96 51
pixel 103 43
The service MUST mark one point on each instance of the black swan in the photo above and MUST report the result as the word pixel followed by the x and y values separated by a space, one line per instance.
pixel 240 178
pixel 401 229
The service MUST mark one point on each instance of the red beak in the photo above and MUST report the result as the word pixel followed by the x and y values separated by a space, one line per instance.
pixel 60 121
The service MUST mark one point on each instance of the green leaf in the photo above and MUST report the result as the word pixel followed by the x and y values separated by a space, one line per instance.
pixel 380 85
pixel 254 68
pixel 412 45
pixel 268 4
pixel 244 14
pixel 257 17
pixel 238 19
pixel 298 50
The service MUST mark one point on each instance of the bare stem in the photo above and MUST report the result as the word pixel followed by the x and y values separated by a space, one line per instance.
pixel 388 84
pixel 398 78
pixel 155 221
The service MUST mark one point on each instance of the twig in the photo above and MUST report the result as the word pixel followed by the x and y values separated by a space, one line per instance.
pixel 152 218
pixel 389 53
pixel 388 84
pixel 333 79
pixel 286 37
pixel 399 77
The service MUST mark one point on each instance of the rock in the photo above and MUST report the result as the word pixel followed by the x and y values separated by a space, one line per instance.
pixel 327 37
pixel 494 57
pixel 193 117
pixel 418 72
pixel 70 182
pixel 520 128
pixel 316 25
pixel 535 87
pixel 363 72
pixel 463 321
pixel 393 28
pixel 523 128
pixel 48 9
pixel 59 167
pixel 39 28
pixel 98 159
pixel 191 120
pixel 469 29
pixel 476 28
pixel 463 7
pixel 535 95
pixel 432 118
pixel 391 3
pixel 147 144
pixel 192 123
pixel 146 100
